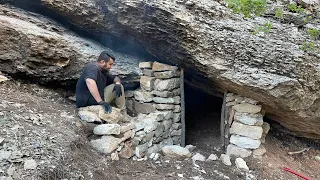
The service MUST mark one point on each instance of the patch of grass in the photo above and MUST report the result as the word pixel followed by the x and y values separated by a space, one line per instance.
pixel 309 46
pixel 265 28
pixel 314 33
pixel 248 7
pixel 294 8
pixel 279 13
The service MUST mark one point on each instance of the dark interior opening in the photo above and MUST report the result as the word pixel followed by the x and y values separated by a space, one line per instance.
pixel 202 117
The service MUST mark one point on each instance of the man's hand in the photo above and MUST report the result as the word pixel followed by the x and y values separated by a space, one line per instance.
pixel 117 88
pixel 106 106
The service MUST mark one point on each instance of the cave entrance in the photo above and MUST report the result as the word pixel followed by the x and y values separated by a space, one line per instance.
pixel 202 119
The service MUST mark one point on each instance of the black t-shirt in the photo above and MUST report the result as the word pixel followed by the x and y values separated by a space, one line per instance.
pixel 103 79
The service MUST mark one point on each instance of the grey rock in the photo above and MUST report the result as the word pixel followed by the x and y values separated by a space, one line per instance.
pixel 4 155
pixel 165 106
pixel 166 74
pixel 88 116
pixel 241 164
pixel 191 147
pixel 30 164
pixel 143 96
pixel 249 119
pixel 247 108
pixel 163 100
pixel 145 65
pixel 126 127
pixel 106 144
pixel 107 129
pixel 167 124
pixel 167 85
pixel 225 159
pixel 176 92
pixel 266 127
pixel 145 108
pixel 175 151
pixel 176 117
pixel 147 83
pixel 166 114
pixel 259 152
pixel 163 94
pixel 212 157
pixel 141 149
pixel 153 149
pixel 114 156
pixel 148 72
pixel 177 108
pixel 176 132
pixel 233 150
pixel 254 132
pixel 198 157
pixel 163 67
pixel 245 142
pixel 176 126
pixel 159 130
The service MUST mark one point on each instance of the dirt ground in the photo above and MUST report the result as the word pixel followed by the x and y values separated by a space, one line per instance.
pixel 41 124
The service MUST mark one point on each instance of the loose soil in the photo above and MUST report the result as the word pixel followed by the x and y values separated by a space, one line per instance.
pixel 41 124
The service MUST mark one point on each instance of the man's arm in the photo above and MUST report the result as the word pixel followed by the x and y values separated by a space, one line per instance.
pixel 117 80
pixel 92 86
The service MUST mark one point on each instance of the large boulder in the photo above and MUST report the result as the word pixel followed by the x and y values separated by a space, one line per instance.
pixel 217 50
pixel 36 47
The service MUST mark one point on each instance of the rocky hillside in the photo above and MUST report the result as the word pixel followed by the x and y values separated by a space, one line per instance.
pixel 217 48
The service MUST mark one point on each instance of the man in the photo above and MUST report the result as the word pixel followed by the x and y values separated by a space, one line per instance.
pixel 96 86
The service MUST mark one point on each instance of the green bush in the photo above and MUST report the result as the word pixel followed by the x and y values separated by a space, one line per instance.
pixel 295 8
pixel 314 33
pixel 248 7
pixel 309 46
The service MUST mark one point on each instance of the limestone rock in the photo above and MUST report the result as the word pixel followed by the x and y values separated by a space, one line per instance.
pixel 106 144
pixel 163 100
pixel 163 67
pixel 147 83
pixel 176 92
pixel 145 65
pixel 30 164
pixel 176 132
pixel 128 150
pixel 164 106
pixel 254 132
pixel 88 116
pixel 107 129
pixel 247 108
pixel 166 74
pixel 145 108
pixel 143 96
pixel 167 85
pixel 176 117
pixel 176 126
pixel 249 119
pixel 159 130
pixel 175 151
pixel 177 108
pixel 212 157
pixel 141 149
pixel 148 72
pixel 126 127
pixel 241 164
pixel 114 117
pixel 233 150
pixel 245 142
pixel 4 155
pixel 198 157
pixel 163 94
pixel 225 159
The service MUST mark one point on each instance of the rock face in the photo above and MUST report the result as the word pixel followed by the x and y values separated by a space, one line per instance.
pixel 41 48
pixel 206 38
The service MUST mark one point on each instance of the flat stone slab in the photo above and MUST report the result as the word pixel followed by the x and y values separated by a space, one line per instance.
pixel 247 108
pixel 245 142
pixel 107 129
pixel 145 65
pixel 175 151
pixel 167 74
pixel 166 85
pixel 249 119
pixel 233 150
pixel 163 67
pixel 147 83
pixel 254 132
pixel 143 96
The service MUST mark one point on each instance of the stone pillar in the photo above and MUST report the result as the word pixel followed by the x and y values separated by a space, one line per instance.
pixel 246 120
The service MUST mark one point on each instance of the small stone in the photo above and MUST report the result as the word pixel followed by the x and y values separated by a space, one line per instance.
pixel 143 96
pixel 145 65
pixel 266 128
pixel 191 147
pixel 175 151
pixel 163 100
pixel 225 159
pixel 159 130
pixel 114 156
pixel 247 108
pixel 11 171
pixel 177 108
pixel 140 149
pixel 245 142
pixel 145 108
pixel 176 126
pixel 177 100
pixel 153 149
pixel 198 157
pixel 176 117
pixel 163 94
pixel 147 83
pixel 238 99
pixel 212 157
pixel 30 164
pixel 259 152
pixel 249 119
pixel 250 101
pixel 3 78
pixel 238 151
pixel 254 132
pixel 148 72
pixel 128 94
pixel 176 132
pixel 167 85
pixel 163 67
pixel 88 116
pixel 165 106
pixel 4 155
pixel 107 129
pixel 241 164
pixel 156 156
pixel 126 127
pixel 167 124
pixel 152 155
pixel 166 74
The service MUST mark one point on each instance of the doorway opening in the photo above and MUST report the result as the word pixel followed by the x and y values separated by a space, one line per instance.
pixel 202 118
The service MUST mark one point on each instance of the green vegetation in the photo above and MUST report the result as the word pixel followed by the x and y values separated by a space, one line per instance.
pixel 265 28
pixel 294 8
pixel 279 13
pixel 314 33
pixel 248 7
pixel 308 46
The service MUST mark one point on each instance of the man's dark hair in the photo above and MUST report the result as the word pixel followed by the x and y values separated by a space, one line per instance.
pixel 105 56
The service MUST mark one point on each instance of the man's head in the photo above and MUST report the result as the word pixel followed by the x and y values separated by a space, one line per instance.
pixel 105 61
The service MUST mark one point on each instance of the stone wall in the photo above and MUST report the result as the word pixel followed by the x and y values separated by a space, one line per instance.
pixel 157 107
pixel 244 127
